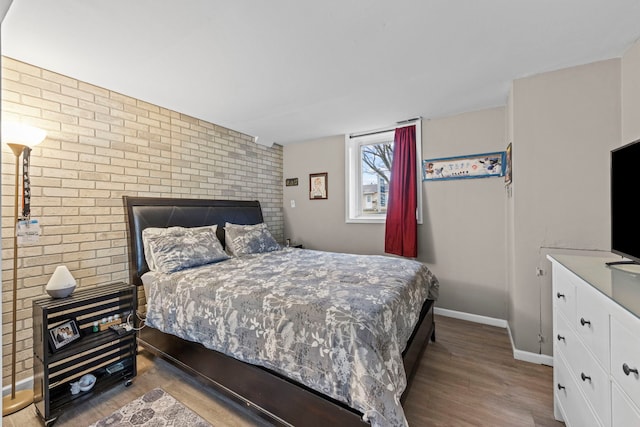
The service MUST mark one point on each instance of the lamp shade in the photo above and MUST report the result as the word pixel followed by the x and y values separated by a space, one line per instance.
pixel 22 134
pixel 61 284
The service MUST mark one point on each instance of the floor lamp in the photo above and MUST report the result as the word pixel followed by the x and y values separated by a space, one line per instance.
pixel 17 136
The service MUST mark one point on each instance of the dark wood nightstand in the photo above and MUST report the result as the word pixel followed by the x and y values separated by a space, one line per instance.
pixel 107 355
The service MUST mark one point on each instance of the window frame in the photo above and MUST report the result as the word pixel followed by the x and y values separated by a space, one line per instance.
pixel 353 172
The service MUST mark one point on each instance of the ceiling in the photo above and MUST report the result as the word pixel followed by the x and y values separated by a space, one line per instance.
pixel 287 71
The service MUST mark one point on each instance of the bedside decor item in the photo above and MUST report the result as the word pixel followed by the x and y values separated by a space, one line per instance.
pixel 87 382
pixel 63 334
pixel 75 387
pixel 20 138
pixel 61 284
pixel 318 186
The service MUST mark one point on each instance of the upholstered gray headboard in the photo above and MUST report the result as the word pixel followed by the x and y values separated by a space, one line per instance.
pixel 144 212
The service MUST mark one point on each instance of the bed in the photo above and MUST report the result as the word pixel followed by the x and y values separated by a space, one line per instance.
pixel 293 366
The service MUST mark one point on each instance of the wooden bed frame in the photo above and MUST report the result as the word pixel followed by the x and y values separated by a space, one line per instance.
pixel 267 394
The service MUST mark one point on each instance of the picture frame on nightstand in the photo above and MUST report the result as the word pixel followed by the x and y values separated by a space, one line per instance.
pixel 63 334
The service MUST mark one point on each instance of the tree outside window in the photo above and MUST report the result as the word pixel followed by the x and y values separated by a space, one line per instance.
pixel 368 158
pixel 376 172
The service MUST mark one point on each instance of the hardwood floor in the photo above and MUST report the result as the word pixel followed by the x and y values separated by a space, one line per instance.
pixel 468 377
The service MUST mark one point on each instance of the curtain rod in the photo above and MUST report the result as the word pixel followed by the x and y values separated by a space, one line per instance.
pixel 376 132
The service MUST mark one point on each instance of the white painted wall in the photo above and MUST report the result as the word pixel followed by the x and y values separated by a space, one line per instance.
pixel 564 125
pixel 320 224
pixel 631 94
pixel 463 239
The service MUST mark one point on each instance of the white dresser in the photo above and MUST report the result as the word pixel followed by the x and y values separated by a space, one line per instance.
pixel 596 349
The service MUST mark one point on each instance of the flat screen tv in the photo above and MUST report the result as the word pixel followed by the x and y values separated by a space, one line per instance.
pixel 625 187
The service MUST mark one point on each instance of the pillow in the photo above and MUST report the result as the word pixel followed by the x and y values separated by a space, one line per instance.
pixel 249 239
pixel 192 248
pixel 150 232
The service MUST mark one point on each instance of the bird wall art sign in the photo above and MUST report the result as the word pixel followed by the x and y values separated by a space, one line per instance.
pixel 464 167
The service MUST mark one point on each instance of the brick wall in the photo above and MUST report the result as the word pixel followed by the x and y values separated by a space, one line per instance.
pixel 100 146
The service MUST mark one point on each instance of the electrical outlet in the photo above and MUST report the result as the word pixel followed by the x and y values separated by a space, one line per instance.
pixel 293 203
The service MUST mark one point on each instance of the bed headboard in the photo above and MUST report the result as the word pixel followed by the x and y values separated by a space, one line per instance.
pixel 143 212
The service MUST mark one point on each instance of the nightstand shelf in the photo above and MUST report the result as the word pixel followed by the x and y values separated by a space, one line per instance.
pixel 92 353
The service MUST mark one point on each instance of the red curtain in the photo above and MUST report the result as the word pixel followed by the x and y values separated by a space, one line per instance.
pixel 401 231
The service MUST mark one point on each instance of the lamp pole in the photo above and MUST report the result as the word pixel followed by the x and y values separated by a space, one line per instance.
pixel 23 398
pixel 18 136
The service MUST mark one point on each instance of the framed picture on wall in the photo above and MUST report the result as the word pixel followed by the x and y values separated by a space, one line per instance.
pixel 464 167
pixel 508 167
pixel 318 186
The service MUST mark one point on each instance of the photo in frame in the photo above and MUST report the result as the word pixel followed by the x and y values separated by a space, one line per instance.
pixel 318 186
pixel 464 167
pixel 63 334
pixel 508 170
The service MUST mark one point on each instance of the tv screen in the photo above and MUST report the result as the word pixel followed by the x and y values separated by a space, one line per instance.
pixel 625 184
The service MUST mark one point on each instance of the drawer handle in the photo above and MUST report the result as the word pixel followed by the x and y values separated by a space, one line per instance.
pixel 627 370
pixel 561 338
pixel 584 322
pixel 585 377
pixel 561 387
pixel 559 295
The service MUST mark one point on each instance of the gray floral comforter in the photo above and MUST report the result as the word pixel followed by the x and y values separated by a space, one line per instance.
pixel 337 323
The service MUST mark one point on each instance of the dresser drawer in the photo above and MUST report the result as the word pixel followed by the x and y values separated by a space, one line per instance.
pixel 623 412
pixel 564 291
pixel 575 411
pixel 565 340
pixel 592 380
pixel 625 359
pixel 592 321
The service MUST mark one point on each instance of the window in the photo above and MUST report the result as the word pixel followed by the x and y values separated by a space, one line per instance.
pixel 368 169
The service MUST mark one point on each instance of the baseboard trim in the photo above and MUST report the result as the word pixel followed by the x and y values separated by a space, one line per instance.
pixel 475 318
pixel 25 384
pixel 525 356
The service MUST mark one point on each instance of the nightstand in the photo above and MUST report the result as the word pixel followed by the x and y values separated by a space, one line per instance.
pixel 59 360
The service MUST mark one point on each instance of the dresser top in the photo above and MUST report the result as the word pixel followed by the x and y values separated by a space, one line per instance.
pixel 620 282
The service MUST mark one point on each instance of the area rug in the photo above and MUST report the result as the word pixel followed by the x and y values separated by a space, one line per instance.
pixel 156 408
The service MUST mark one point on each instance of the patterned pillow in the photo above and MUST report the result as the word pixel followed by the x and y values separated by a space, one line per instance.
pixel 175 248
pixel 249 239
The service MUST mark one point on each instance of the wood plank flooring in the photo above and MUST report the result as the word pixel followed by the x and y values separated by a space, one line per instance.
pixel 468 377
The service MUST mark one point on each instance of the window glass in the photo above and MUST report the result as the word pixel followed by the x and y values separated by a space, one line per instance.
pixel 376 172
pixel 368 170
